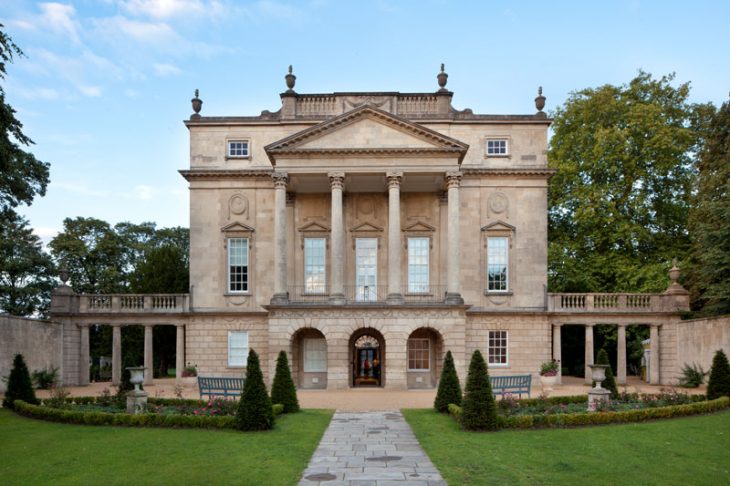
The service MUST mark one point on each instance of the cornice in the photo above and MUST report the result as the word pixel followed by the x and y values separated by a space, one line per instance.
pixel 526 171
pixel 224 174
pixel 370 152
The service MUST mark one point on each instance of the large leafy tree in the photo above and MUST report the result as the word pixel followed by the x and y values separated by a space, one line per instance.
pixel 22 176
pixel 710 219
pixel 26 271
pixel 620 200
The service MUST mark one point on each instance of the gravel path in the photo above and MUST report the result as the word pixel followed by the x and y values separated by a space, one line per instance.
pixel 370 449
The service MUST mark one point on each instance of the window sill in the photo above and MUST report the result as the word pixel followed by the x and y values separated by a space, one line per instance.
pixel 238 157
pixel 493 293
pixel 238 294
pixel 418 371
pixel 505 156
pixel 503 366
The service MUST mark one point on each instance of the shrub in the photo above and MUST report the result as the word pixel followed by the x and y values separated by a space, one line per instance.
pixel 609 383
pixel 449 391
pixel 19 385
pixel 277 408
pixel 479 411
pixel 455 411
pixel 692 376
pixel 254 409
pixel 719 383
pixel 43 379
pixel 282 390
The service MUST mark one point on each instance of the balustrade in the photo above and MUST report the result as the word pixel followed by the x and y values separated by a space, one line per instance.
pixel 136 303
pixel 619 302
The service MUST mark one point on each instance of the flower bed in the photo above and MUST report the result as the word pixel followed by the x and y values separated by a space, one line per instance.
pixel 569 411
pixel 162 412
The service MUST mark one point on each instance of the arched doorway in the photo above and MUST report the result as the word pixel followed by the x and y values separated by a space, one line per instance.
pixel 367 358
pixel 309 359
pixel 424 358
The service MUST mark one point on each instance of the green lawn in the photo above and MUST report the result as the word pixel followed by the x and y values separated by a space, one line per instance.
pixel 693 450
pixel 36 452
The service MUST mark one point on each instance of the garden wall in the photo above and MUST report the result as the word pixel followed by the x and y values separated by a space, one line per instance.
pixel 698 339
pixel 38 341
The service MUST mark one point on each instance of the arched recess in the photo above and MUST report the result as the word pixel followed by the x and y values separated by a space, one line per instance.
pixel 309 359
pixel 424 358
pixel 367 358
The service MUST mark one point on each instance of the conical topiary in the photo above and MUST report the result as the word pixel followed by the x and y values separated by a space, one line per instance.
pixel 479 412
pixel 283 390
pixel 254 409
pixel 449 387
pixel 610 382
pixel 719 383
pixel 20 387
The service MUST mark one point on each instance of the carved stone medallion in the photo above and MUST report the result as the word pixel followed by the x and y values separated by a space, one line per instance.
pixel 498 203
pixel 238 205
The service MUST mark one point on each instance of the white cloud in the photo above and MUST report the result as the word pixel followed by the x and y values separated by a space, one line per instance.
pixel 166 69
pixel 58 17
pixel 45 233
pixel 90 91
pixel 163 9
pixel 48 94
pixel 80 189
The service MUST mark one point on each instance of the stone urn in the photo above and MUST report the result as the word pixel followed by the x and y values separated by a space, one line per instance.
pixel 548 382
pixel 597 393
pixel 137 398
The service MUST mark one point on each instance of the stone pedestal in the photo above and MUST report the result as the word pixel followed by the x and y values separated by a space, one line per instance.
pixel 596 395
pixel 136 402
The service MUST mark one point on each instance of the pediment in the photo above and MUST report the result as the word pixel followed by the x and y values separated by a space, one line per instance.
pixel 313 227
pixel 367 129
pixel 420 226
pixel 366 228
pixel 237 227
pixel 498 226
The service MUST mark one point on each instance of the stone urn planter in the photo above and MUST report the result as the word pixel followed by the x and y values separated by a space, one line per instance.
pixel 598 393
pixel 136 399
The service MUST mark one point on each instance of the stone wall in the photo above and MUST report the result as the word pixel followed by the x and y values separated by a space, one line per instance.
pixel 38 341
pixel 699 339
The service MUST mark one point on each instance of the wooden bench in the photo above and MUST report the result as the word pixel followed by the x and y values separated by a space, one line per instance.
pixel 517 384
pixel 220 386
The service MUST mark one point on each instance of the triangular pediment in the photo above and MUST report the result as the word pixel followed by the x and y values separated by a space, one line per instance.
pixel 420 226
pixel 366 228
pixel 313 227
pixel 498 226
pixel 237 227
pixel 367 129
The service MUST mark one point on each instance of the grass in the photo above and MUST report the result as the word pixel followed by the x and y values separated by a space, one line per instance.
pixel 692 450
pixel 36 452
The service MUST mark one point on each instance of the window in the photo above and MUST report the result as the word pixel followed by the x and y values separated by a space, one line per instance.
pixel 497 147
pixel 237 348
pixel 314 266
pixel 498 348
pixel 238 148
pixel 497 263
pixel 366 269
pixel 315 355
pixel 418 249
pixel 238 264
pixel 419 354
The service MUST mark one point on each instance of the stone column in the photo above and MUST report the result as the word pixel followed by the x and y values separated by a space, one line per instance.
pixel 557 350
pixel 453 261
pixel 621 358
pixel 149 372
pixel 395 295
pixel 589 354
pixel 654 357
pixel 84 356
pixel 337 290
pixel 116 355
pixel 179 350
pixel 280 277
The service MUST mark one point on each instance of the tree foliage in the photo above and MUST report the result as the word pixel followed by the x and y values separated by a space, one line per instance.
pixel 26 271
pixel 709 220
pixel 449 390
pixel 610 382
pixel 620 199
pixel 479 411
pixel 718 384
pixel 20 386
pixel 283 390
pixel 254 409
pixel 22 176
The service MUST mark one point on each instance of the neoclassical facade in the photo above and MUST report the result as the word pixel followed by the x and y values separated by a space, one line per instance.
pixel 366 234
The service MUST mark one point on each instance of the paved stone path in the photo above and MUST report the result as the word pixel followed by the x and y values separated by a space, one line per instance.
pixel 370 449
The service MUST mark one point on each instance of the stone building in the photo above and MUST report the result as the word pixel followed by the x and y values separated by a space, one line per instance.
pixel 366 234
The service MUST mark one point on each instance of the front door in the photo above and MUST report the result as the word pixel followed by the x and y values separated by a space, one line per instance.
pixel 367 367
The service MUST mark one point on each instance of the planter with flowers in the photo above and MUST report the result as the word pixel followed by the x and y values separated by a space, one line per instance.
pixel 549 374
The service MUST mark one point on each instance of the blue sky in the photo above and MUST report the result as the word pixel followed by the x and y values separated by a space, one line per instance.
pixel 106 83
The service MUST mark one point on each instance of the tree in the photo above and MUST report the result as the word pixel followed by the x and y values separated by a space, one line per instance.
pixel 449 390
pixel 609 383
pixel 708 219
pixel 283 390
pixel 26 271
pixel 20 386
pixel 719 383
pixel 254 409
pixel 479 412
pixel 22 176
pixel 161 270
pixel 619 203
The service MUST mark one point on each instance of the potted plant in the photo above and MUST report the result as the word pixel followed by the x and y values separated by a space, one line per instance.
pixel 549 373
pixel 189 375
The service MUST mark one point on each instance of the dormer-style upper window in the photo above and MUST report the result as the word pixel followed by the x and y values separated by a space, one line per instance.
pixel 238 148
pixel 497 147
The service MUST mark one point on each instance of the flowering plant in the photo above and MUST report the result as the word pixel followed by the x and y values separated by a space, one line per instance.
pixel 549 368
pixel 190 370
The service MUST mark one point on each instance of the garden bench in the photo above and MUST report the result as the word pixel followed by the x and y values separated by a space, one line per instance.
pixel 220 386
pixel 517 384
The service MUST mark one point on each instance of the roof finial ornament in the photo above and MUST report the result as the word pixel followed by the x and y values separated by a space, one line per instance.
pixel 290 80
pixel 540 102
pixel 197 105
pixel 442 77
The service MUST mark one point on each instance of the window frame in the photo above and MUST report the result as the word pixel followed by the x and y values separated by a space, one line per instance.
pixel 504 348
pixel 373 293
pixel 428 355
pixel 323 290
pixel 305 368
pixel 231 141
pixel 247 349
pixel 507 288
pixel 497 138
pixel 427 248
pixel 247 282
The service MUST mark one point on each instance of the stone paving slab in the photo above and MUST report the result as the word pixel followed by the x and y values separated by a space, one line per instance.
pixel 370 449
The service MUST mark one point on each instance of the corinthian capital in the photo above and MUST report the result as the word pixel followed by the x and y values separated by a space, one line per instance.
pixel 394 179
pixel 280 179
pixel 453 178
pixel 337 180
